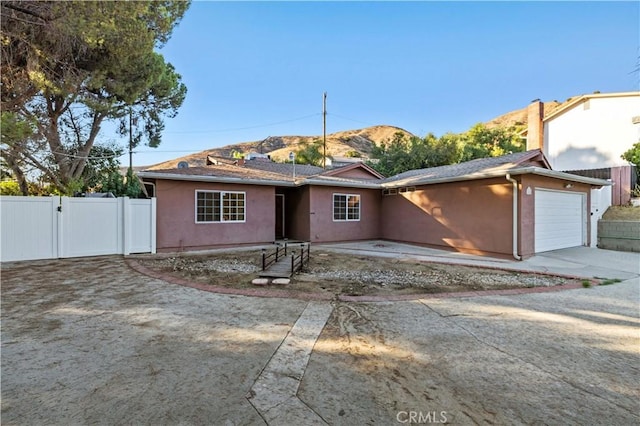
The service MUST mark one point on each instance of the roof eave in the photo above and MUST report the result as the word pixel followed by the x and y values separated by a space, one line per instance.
pixel 431 181
pixel 499 173
pixel 561 175
pixel 362 185
pixel 583 98
pixel 217 179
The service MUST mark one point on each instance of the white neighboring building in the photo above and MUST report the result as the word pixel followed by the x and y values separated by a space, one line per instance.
pixel 591 131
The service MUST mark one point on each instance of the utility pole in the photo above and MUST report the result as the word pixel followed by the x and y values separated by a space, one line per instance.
pixel 324 130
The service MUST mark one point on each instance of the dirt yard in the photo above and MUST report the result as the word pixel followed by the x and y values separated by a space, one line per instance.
pixel 622 213
pixel 90 341
pixel 347 274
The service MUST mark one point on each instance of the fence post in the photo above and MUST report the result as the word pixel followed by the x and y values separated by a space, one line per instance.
pixel 153 225
pixel 126 222
pixel 263 258
pixel 301 255
pixel 293 259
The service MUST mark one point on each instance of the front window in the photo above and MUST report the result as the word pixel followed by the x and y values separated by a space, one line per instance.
pixel 346 207
pixel 220 206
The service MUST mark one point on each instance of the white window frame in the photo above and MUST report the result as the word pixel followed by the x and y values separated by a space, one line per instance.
pixel 347 196
pixel 221 207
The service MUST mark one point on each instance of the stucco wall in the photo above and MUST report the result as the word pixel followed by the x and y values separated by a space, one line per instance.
pixel 324 229
pixel 178 230
pixel 473 216
pixel 593 134
pixel 527 207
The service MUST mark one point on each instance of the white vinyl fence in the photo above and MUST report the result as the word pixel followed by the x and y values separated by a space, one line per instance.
pixel 56 227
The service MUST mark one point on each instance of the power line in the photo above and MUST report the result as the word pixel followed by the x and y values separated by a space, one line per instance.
pixel 350 119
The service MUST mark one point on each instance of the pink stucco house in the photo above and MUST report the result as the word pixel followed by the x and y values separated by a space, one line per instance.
pixel 513 205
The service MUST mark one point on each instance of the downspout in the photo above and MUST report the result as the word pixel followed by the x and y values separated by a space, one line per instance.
pixel 515 216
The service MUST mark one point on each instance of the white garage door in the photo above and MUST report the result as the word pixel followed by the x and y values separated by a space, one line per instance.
pixel 559 220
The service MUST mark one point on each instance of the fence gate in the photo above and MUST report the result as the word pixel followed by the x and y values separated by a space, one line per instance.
pixel 55 227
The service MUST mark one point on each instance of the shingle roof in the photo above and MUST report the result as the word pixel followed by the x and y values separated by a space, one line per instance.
pixel 226 171
pixel 478 166
pixel 254 170
pixel 342 181
pixel 268 173
pixel 285 169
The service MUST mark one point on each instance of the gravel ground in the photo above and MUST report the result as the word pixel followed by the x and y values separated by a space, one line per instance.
pixel 341 273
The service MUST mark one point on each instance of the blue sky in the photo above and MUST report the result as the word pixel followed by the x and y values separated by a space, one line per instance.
pixel 422 66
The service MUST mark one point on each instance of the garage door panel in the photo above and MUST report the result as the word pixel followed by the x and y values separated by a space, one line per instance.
pixel 559 218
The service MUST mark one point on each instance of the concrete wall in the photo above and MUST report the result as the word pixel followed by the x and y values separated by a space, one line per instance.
pixel 619 235
pixel 593 134
pixel 526 207
pixel 178 230
pixel 472 216
pixel 324 229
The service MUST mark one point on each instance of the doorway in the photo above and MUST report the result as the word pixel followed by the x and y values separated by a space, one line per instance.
pixel 279 231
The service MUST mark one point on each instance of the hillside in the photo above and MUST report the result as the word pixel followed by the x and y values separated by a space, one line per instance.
pixel 519 116
pixel 338 144
pixel 278 147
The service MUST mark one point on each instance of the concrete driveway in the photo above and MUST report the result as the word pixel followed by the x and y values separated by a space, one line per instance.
pixel 583 262
pixel 90 341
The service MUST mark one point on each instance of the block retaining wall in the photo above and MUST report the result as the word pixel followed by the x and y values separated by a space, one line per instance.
pixel 620 235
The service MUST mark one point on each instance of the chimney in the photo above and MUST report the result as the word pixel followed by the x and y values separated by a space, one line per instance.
pixel 535 129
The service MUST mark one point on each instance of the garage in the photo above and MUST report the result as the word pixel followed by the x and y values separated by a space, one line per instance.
pixel 560 219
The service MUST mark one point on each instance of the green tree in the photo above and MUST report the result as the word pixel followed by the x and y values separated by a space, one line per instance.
pixel 70 66
pixel 102 162
pixel 10 187
pixel 632 155
pixel 403 153
pixel 120 186
pixel 481 142
pixel 310 153
pixel 16 134
pixel 394 155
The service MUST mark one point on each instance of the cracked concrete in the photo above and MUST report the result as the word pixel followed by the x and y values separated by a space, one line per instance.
pixel 91 341
pixel 274 394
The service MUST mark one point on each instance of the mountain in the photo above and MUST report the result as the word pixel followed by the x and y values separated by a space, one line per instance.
pixel 278 147
pixel 338 144
pixel 519 116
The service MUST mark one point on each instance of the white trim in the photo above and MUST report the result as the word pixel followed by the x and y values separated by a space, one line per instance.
pixel 418 180
pixel 222 194
pixel 217 179
pixel 333 207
